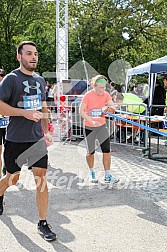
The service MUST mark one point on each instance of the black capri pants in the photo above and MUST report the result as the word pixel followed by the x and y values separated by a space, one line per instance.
pixel 101 133
pixel 2 135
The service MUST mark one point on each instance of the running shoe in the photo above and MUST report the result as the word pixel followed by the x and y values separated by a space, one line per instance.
pixel 1 204
pixel 92 177
pixel 111 179
pixel 45 230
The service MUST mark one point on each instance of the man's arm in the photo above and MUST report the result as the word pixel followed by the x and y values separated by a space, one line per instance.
pixel 44 123
pixel 8 110
pixel 44 120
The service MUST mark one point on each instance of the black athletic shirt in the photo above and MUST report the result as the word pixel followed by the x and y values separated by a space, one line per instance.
pixel 23 91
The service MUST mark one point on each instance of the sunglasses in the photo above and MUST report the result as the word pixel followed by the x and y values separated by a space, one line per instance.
pixel 2 75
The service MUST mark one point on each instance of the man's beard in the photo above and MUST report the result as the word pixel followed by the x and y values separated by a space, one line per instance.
pixel 29 68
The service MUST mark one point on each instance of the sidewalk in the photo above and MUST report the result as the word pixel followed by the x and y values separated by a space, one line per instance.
pixel 128 217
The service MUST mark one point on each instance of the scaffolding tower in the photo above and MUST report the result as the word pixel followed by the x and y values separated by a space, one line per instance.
pixel 61 53
pixel 62 39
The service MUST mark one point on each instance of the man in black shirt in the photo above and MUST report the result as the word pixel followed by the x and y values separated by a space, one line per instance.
pixel 22 97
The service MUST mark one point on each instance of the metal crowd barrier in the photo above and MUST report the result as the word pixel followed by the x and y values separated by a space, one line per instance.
pixel 157 145
pixel 76 120
pixel 120 132
pixel 121 127
pixel 125 128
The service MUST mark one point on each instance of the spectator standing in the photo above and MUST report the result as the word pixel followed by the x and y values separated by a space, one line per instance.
pixel 165 87
pixel 50 97
pixel 3 124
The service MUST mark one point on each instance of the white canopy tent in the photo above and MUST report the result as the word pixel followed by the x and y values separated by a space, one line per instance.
pixel 152 68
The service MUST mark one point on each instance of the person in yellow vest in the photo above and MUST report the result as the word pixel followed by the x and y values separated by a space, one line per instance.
pixel 135 105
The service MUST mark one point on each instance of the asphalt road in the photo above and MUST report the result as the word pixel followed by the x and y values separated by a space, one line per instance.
pixel 128 217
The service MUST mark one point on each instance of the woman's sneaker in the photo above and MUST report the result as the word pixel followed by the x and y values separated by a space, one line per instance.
pixel 92 177
pixel 45 230
pixel 110 179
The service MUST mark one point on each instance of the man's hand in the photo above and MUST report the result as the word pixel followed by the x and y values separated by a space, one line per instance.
pixel 33 115
pixel 48 139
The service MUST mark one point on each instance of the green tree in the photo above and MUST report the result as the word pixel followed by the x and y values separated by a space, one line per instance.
pixel 27 20
pixel 132 30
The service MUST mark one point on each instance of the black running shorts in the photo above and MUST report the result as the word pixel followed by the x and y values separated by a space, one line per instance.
pixel 31 154
pixel 102 134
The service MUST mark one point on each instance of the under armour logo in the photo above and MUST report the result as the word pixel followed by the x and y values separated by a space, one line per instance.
pixel 28 87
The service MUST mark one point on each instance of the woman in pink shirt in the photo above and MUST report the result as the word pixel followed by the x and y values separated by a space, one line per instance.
pixel 93 105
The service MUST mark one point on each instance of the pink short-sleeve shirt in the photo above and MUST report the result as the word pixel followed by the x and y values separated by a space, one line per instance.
pixel 94 104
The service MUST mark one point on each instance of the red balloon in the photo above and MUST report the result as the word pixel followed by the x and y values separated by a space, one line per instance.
pixel 62 98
